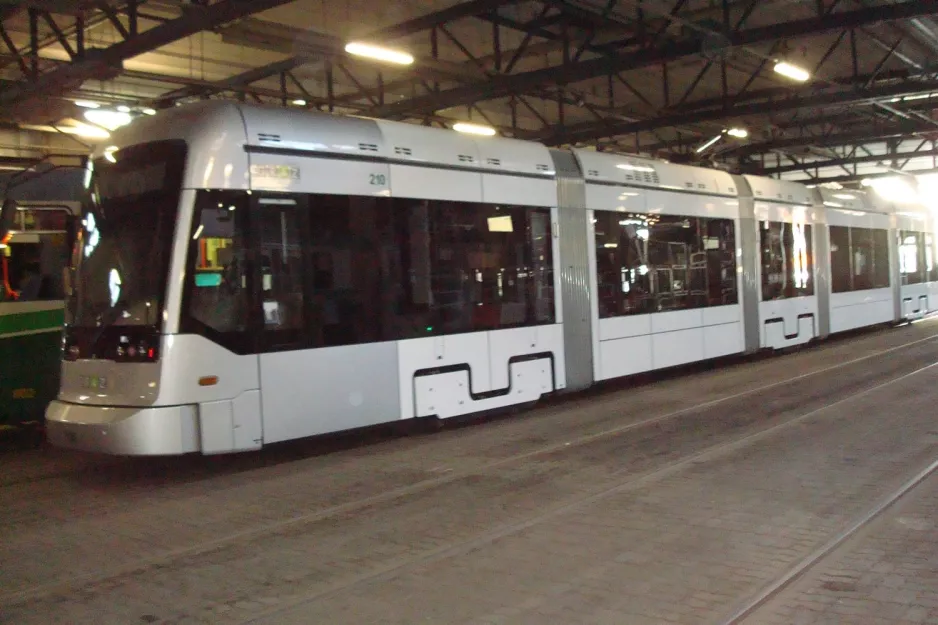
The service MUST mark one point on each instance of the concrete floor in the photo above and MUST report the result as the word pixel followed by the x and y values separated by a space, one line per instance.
pixel 672 502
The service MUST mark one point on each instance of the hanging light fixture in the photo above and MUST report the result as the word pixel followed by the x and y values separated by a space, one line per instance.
pixel 709 143
pixel 792 71
pixel 378 53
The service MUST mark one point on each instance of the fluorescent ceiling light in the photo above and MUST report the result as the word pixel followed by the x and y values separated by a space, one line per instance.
pixel 791 71
pixel 378 53
pixel 708 143
pixel 109 153
pixel 123 108
pixel 474 129
pixel 149 111
pixel 739 133
pixel 108 119
pixel 299 102
pixel 86 104
pixel 845 196
pixel 918 96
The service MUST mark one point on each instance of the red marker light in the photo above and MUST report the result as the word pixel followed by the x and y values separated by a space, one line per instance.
pixel 150 353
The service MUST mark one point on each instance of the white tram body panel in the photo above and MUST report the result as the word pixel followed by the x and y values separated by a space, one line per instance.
pixel 653 265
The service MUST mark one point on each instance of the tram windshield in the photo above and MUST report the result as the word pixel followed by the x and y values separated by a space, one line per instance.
pixel 123 248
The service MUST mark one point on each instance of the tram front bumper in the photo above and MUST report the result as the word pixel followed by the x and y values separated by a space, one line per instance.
pixel 165 431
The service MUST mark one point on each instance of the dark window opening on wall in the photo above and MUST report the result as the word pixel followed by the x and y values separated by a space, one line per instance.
pixel 787 260
pixel 657 263
pixel 859 259
pixel 333 270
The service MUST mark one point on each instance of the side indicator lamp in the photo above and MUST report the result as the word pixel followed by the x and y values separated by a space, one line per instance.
pixel 208 380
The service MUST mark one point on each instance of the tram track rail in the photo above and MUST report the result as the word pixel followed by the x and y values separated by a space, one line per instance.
pixel 752 605
pixel 563 446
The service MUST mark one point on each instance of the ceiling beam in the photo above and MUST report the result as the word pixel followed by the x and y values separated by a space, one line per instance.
pixel 865 135
pixel 16 99
pixel 837 162
pixel 238 80
pixel 505 85
pixel 769 93
pixel 63 7
pixel 426 22
pixel 857 177
pixel 324 45
pixel 592 131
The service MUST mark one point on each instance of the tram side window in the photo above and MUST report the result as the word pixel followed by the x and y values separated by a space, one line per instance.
pixel 913 266
pixel 840 259
pixel 880 244
pixel 218 296
pixel 859 259
pixel 655 263
pixel 24 272
pixel 787 262
pixel 34 270
pixel 490 266
pixel 390 269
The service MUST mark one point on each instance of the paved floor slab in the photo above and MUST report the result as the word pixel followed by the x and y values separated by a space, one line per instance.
pixel 664 503
pixel 886 573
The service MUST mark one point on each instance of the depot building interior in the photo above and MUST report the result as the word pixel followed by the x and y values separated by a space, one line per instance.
pixel 557 308
pixel 820 91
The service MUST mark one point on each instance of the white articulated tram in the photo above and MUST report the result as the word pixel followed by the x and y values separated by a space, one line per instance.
pixel 247 275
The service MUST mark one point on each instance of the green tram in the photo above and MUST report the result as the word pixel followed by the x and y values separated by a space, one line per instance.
pixel 35 245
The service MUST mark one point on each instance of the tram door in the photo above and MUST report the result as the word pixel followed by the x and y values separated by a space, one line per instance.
pixel 280 226
pixel 315 377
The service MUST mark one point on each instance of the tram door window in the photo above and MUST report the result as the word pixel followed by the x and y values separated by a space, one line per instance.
pixel 787 264
pixel 931 268
pixel 277 221
pixel 912 264
pixel 218 290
